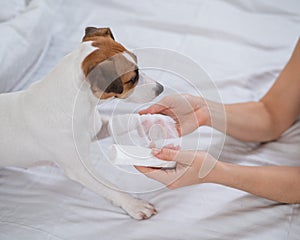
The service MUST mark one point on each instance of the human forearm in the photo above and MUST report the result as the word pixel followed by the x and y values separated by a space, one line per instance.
pixel 248 121
pixel 276 183
pixel 266 119
pixel 260 121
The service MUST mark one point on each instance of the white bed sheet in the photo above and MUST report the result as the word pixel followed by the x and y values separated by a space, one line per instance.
pixel 243 45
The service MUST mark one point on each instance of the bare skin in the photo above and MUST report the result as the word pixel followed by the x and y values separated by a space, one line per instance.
pixel 260 121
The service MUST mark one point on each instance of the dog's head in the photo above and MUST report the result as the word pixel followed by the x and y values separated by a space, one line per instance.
pixel 112 70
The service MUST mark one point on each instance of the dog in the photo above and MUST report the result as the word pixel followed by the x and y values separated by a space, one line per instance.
pixel 54 119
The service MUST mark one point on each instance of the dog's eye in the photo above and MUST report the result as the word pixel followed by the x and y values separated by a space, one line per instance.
pixel 134 79
pixel 131 81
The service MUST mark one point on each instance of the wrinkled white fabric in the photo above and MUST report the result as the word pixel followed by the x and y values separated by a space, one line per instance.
pixel 25 38
pixel 243 45
pixel 11 8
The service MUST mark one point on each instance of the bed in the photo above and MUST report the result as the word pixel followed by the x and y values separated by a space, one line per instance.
pixel 241 44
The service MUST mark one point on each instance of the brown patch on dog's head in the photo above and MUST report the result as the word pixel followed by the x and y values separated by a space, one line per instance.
pixel 109 72
pixel 92 32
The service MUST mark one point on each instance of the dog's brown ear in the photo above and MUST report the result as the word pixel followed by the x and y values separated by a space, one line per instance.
pixel 94 32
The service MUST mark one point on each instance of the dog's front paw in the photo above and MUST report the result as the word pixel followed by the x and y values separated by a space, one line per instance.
pixel 139 209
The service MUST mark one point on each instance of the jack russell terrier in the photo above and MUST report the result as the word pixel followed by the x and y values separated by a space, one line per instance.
pixel 40 123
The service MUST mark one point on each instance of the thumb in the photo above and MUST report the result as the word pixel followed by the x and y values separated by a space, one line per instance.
pixel 155 108
pixel 167 154
pixel 182 157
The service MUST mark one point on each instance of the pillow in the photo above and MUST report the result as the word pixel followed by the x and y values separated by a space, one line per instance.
pixel 24 40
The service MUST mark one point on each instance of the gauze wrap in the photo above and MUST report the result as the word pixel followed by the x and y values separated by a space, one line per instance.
pixel 135 134
pixel 136 155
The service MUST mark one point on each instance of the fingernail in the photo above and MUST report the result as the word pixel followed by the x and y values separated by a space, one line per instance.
pixel 155 151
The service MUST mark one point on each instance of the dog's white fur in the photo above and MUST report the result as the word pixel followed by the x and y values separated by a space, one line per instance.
pixel 53 121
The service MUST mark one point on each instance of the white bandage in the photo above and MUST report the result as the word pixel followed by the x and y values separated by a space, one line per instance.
pixel 134 134
pixel 136 155
pixel 150 130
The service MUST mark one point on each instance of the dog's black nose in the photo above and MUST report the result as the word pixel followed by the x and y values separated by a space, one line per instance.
pixel 158 89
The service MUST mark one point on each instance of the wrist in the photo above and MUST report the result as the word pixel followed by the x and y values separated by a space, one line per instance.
pixel 202 112
pixel 218 173
pixel 216 116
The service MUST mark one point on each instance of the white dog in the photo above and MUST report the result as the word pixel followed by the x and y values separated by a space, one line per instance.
pixel 54 119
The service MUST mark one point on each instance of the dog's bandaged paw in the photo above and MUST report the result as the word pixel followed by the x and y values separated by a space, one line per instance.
pixel 135 134
pixel 136 155
pixel 149 130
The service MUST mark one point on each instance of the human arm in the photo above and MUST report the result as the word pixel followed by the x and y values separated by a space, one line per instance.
pixel 260 121
pixel 276 183
pixel 266 119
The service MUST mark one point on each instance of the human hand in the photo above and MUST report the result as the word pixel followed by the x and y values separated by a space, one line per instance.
pixel 193 167
pixel 188 111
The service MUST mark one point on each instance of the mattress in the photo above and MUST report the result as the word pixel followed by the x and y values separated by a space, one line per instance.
pixel 241 45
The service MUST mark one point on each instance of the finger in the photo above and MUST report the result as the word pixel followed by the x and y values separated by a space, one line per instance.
pixel 163 176
pixel 179 129
pixel 155 108
pixel 182 157
pixel 177 147
pixel 145 170
pixel 172 146
pixel 147 124
pixel 151 145
pixel 167 154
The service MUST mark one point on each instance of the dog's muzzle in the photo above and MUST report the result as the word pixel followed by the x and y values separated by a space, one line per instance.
pixel 146 90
